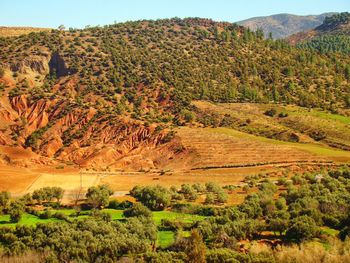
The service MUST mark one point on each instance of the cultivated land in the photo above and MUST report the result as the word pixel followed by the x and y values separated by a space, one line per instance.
pixel 176 140
pixel 225 155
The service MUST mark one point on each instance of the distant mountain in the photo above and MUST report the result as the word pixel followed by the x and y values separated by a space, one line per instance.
pixel 333 35
pixel 284 25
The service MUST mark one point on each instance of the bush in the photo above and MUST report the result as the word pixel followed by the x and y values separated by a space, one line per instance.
pixel 114 204
pixel 137 210
pixel 170 225
pixel 224 255
pixel 283 115
pixel 60 216
pixel 212 187
pixel 222 197
pixel 46 214
pixel 105 216
pixel 210 198
pixel 318 135
pixel 270 112
pixel 125 204
pixel 4 200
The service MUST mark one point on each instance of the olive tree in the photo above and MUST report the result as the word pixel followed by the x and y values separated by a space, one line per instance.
pixel 98 196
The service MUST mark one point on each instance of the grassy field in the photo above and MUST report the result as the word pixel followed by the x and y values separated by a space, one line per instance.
pixel 165 238
pixel 27 219
pixel 298 121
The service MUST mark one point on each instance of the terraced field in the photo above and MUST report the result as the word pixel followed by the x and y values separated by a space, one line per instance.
pixel 297 123
pixel 224 147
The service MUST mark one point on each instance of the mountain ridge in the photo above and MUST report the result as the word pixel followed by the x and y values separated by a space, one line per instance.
pixel 284 24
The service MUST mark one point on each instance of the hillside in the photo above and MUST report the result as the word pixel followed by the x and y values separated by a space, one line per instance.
pixel 284 25
pixel 333 35
pixel 17 31
pixel 115 96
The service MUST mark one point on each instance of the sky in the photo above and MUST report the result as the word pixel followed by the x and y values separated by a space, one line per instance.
pixel 80 13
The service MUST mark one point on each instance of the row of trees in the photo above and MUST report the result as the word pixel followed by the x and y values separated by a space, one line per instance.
pixel 159 198
pixel 16 207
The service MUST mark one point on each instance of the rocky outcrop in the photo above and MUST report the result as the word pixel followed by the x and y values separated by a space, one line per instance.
pixel 32 64
pixel 60 129
pixel 33 115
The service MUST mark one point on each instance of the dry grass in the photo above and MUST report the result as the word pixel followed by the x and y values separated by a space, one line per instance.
pixel 224 147
pixel 17 31
pixel 334 251
pixel 28 257
pixel 300 121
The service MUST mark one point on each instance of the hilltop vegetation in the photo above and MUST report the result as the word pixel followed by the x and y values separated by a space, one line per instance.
pixel 17 31
pixel 333 35
pixel 178 60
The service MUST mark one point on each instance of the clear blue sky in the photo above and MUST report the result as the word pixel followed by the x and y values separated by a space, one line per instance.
pixel 79 13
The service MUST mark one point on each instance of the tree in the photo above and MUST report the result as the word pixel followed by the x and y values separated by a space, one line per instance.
pixel 137 210
pixel 98 196
pixel 154 197
pixel 195 250
pixel 15 210
pixel 222 197
pixel 279 221
pixel 212 187
pixel 47 194
pixel 39 195
pixel 210 198
pixel 4 200
pixel 61 27
pixel 57 192
pixel 302 228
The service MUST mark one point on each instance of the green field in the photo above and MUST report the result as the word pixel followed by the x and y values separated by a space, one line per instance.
pixel 27 219
pixel 165 238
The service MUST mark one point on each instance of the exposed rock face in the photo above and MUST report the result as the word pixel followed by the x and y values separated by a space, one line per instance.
pixel 34 115
pixel 37 64
pixel 56 128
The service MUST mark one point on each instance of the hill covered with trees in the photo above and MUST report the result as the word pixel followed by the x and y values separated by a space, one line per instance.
pixel 333 35
pixel 68 93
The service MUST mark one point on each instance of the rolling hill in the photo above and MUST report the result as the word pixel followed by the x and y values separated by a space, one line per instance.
pixel 117 96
